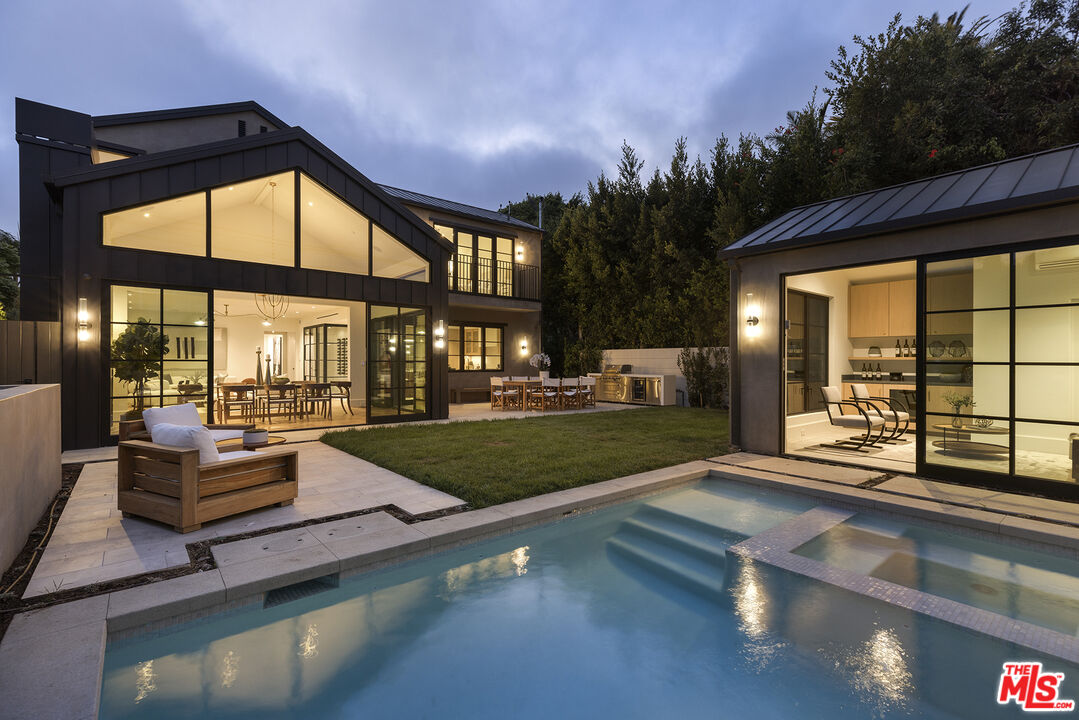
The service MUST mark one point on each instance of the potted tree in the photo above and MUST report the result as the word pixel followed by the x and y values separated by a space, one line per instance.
pixel 136 354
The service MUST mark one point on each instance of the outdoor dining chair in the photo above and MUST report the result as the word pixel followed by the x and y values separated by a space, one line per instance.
pixel 546 396
pixel 588 391
pixel 571 393
pixel 503 397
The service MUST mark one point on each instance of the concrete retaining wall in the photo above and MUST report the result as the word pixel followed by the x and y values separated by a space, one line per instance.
pixel 29 461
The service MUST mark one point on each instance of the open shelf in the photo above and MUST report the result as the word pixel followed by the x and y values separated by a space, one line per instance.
pixel 878 358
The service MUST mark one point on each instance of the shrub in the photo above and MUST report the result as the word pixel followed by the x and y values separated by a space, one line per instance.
pixel 706 373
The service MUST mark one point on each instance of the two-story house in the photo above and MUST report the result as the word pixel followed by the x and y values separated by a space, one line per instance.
pixel 194 254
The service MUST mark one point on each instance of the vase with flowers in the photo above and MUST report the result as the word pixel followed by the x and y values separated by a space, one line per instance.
pixel 958 401
pixel 542 362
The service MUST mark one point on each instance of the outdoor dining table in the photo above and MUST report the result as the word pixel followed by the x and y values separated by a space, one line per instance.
pixel 525 386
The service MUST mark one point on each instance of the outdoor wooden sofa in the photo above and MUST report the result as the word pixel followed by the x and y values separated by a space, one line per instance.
pixel 167 484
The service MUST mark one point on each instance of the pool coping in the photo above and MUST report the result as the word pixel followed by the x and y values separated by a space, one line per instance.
pixel 54 657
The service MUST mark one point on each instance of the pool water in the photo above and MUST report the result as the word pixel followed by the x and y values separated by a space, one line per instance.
pixel 635 611
pixel 1036 587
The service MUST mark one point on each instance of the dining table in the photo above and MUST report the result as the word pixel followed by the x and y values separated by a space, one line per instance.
pixel 525 386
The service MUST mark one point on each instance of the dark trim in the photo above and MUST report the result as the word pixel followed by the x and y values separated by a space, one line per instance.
pixel 431 202
pixel 188 112
pixel 734 360
pixel 475 229
pixel 117 147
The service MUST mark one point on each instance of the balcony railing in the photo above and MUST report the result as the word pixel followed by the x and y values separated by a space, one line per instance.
pixel 498 278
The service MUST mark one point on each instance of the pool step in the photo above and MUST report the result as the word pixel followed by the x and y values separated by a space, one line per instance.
pixel 682 539
pixel 658 561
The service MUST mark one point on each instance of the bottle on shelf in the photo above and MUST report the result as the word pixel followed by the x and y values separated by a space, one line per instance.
pixel 913 350
pixel 865 373
pixel 877 375
pixel 906 348
pixel 898 350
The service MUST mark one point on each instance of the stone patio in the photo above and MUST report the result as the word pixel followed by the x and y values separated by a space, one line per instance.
pixel 92 543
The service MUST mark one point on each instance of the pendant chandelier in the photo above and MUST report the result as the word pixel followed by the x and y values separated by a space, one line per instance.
pixel 271 307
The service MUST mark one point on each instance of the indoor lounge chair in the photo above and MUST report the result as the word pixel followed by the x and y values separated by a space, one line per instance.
pixel 863 421
pixel 891 410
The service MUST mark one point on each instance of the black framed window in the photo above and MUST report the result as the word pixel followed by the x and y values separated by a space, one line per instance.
pixel 159 352
pixel 1001 365
pixel 475 347
pixel 482 263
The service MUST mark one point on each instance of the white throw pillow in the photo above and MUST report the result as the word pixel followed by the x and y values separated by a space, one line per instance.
pixel 187 436
pixel 185 414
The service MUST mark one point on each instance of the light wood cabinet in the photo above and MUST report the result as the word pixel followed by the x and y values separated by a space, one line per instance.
pixel 874 390
pixel 884 309
pixel 867 310
pixel 934 400
pixel 901 306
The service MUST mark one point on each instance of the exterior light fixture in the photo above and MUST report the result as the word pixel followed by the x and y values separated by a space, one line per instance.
pixel 83 318
pixel 440 333
pixel 753 316
pixel 520 253
pixel 524 346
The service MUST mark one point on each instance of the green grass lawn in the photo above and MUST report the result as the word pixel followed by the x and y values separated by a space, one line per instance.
pixel 491 462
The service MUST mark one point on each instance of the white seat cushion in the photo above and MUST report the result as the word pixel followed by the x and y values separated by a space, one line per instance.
pixel 187 436
pixel 236 454
pixel 857 421
pixel 219 435
pixel 184 414
pixel 890 416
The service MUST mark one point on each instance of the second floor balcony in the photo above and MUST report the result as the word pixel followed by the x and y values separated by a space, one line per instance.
pixel 490 276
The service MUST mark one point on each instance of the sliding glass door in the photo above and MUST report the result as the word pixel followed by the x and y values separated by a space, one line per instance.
pixel 1001 367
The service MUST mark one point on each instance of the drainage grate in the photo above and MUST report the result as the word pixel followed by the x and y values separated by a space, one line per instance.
pixel 299 590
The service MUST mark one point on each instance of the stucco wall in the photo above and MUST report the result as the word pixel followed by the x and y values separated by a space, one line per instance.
pixel 759 407
pixel 518 326
pixel 30 457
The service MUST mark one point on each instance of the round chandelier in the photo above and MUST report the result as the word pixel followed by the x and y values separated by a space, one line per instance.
pixel 271 307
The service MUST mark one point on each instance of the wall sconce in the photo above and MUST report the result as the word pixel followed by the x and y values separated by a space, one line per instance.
pixel 83 317
pixel 520 253
pixel 524 346
pixel 440 334
pixel 753 316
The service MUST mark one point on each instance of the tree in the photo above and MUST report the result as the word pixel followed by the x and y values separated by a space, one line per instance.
pixel 137 353
pixel 9 276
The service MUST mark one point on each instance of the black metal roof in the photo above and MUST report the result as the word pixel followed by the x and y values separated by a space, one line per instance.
pixel 457 208
pixel 1043 178
pixel 188 112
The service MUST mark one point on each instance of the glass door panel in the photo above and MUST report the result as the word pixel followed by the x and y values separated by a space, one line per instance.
pixel 397 362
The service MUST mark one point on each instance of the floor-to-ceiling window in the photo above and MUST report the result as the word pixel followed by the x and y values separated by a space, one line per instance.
pixel 397 362
pixel 807 351
pixel 158 350
pixel 1002 363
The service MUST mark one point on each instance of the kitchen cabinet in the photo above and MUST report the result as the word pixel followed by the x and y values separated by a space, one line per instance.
pixel 884 309
pixel 874 389
pixel 902 300
pixel 867 310
pixel 934 400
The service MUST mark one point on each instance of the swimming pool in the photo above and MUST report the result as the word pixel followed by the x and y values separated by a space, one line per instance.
pixel 633 611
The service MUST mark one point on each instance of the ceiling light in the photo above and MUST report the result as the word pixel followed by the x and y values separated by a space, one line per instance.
pixel 230 187
pixel 310 203
pixel 266 323
pixel 146 214
pixel 200 322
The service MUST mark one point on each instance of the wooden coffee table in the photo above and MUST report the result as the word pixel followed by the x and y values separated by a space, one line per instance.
pixel 271 440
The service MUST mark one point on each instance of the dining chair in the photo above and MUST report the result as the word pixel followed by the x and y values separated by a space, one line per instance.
pixel 342 390
pixel 570 395
pixel 282 397
pixel 588 391
pixel 316 396
pixel 237 397
pixel 546 396
pixel 501 396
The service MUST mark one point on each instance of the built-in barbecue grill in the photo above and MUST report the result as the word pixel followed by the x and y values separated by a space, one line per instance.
pixel 611 385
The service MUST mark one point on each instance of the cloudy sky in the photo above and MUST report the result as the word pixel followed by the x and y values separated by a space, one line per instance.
pixel 480 102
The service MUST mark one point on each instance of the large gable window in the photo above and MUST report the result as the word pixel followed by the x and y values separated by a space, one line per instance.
pixel 333 236
pixel 254 221
pixel 176 225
